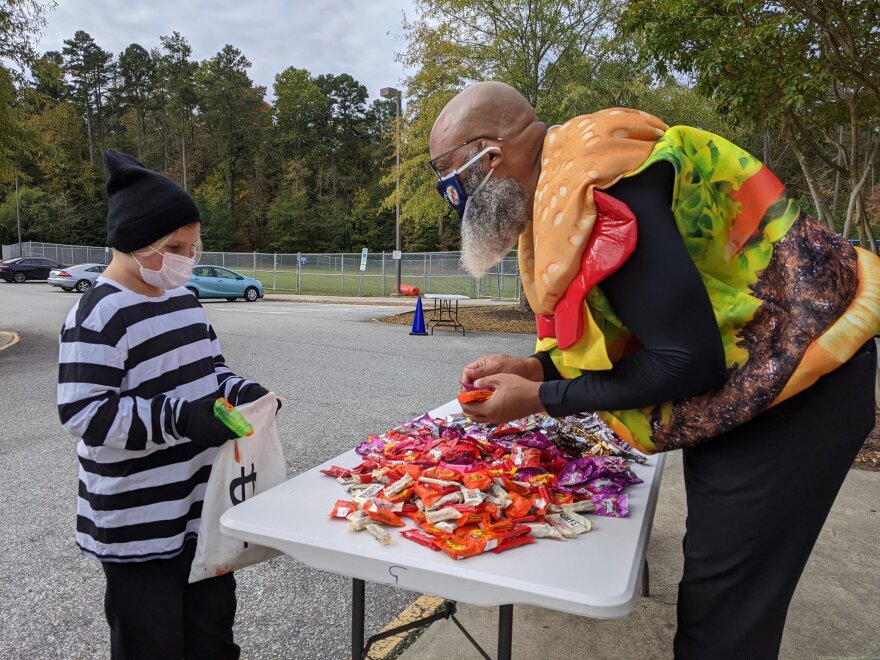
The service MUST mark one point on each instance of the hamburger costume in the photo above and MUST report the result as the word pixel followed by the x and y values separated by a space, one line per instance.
pixel 682 294
pixel 791 300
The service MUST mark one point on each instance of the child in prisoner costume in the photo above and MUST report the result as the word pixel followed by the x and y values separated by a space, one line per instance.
pixel 140 368
pixel 683 295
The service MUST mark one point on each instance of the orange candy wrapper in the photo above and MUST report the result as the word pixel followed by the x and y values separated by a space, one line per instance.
pixel 385 517
pixel 474 396
pixel 476 480
pixel 342 509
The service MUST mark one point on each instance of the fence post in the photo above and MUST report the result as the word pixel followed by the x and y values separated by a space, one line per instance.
pixel 275 272
pixel 255 264
pixel 500 278
pixel 383 272
pixel 479 287
pixel 342 268
pixel 426 273
pixel 223 259
pixel 298 268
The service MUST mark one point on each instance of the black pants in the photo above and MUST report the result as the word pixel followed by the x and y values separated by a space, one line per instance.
pixel 757 498
pixel 155 614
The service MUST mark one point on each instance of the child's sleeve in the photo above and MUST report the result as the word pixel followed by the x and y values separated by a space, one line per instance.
pixel 90 374
pixel 231 386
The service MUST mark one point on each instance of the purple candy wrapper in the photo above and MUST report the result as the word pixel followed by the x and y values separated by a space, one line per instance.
pixel 611 506
pixel 372 446
pixel 607 485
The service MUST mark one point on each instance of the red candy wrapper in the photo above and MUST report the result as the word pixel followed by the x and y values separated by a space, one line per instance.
pixel 421 538
pixel 336 472
pixel 514 543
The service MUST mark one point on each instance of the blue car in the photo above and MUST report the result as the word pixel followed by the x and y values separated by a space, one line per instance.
pixel 219 282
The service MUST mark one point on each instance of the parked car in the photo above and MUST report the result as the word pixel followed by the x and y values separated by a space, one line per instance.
pixel 20 269
pixel 218 282
pixel 80 277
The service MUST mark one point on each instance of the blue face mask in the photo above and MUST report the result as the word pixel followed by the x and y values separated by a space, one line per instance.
pixel 452 191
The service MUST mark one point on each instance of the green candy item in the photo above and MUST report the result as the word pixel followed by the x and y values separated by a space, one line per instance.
pixel 234 420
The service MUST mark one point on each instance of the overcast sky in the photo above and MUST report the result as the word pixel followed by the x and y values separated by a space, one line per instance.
pixel 358 37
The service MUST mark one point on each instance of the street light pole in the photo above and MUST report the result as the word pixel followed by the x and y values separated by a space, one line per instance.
pixel 18 217
pixel 391 93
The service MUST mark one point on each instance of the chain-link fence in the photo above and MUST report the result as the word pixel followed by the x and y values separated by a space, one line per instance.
pixel 332 273
pixel 69 255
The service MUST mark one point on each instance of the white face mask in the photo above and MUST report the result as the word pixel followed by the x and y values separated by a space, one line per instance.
pixel 175 271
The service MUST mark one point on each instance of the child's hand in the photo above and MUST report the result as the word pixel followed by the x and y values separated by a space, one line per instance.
pixel 196 421
pixel 253 392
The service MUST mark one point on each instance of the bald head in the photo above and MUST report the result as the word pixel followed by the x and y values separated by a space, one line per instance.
pixel 491 110
pixel 487 108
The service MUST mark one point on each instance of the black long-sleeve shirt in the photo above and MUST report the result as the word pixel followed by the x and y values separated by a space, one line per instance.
pixel 660 297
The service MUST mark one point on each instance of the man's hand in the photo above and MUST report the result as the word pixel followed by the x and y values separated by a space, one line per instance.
pixel 498 363
pixel 514 397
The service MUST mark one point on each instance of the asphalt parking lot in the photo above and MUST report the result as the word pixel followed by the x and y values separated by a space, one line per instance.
pixel 342 375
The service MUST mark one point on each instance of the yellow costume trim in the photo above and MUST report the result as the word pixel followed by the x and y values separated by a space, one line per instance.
pixel 588 354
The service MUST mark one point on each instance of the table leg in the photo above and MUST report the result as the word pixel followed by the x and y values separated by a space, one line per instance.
pixel 357 619
pixel 505 631
pixel 646 581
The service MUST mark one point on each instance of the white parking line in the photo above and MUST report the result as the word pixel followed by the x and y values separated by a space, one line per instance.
pixel 301 307
pixel 248 311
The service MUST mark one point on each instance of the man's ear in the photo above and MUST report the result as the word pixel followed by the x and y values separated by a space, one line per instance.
pixel 496 156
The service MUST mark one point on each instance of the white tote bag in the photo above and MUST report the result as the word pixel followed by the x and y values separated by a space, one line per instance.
pixel 242 469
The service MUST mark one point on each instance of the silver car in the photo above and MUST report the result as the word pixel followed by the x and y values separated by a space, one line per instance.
pixel 79 277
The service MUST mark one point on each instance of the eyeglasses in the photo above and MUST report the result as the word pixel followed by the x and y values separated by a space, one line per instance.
pixel 433 162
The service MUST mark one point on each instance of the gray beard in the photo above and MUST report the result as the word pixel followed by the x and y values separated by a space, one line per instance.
pixel 495 218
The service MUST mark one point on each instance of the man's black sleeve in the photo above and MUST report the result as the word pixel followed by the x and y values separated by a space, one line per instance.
pixel 660 297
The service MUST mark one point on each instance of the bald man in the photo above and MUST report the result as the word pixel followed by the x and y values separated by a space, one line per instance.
pixel 682 295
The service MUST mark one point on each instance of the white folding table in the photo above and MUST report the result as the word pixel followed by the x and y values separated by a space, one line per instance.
pixel 443 314
pixel 595 575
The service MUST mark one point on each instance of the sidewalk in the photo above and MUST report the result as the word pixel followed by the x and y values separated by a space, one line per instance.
pixel 402 301
pixel 833 613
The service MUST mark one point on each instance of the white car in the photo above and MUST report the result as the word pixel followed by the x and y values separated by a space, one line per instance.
pixel 79 277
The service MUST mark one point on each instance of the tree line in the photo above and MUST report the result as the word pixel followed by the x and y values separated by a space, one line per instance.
pixel 301 173
pixel 796 82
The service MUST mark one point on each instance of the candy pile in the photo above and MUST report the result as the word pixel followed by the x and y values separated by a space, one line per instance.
pixel 471 488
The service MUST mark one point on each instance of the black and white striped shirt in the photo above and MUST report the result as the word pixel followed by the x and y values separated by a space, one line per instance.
pixel 126 362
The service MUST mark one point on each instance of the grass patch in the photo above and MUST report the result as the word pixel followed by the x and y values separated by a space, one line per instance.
pixel 352 282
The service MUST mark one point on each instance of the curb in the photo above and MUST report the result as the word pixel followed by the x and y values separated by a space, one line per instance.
pixel 393 647
pixel 8 339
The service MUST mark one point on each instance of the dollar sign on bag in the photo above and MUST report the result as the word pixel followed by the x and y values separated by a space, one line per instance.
pixel 241 482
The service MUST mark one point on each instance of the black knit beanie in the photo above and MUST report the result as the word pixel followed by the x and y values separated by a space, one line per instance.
pixel 142 205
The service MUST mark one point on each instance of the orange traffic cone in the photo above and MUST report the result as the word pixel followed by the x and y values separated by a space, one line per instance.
pixel 418 327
